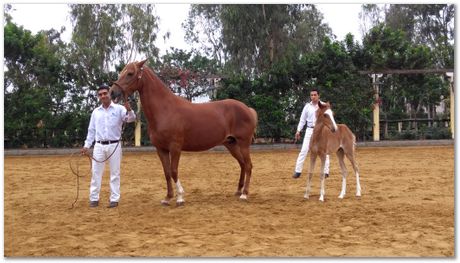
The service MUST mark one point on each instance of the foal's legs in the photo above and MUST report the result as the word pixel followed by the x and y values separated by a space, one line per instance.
pixel 234 150
pixel 310 175
pixel 340 156
pixel 351 157
pixel 322 192
pixel 165 161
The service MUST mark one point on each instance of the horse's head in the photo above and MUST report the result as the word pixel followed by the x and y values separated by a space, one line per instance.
pixel 128 80
pixel 326 116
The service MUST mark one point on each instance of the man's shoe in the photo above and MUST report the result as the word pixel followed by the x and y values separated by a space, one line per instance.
pixel 93 203
pixel 112 204
pixel 326 175
pixel 296 175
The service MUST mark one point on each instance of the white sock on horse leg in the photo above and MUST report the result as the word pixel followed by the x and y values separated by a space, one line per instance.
pixel 358 186
pixel 180 191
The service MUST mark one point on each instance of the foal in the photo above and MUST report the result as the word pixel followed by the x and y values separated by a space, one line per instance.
pixel 327 138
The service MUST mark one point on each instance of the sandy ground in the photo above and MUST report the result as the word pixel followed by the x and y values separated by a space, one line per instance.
pixel 407 208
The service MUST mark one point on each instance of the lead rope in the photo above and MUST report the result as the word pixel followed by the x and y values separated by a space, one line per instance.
pixel 90 157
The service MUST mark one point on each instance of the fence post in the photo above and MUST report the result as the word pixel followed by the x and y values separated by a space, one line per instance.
pixel 450 76
pixel 376 111
pixel 137 131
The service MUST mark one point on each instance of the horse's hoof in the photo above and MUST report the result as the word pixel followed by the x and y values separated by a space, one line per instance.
pixel 164 202
pixel 243 197
pixel 306 197
pixel 180 203
pixel 341 196
pixel 321 199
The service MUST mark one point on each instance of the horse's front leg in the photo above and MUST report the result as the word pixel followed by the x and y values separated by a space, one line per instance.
pixel 175 156
pixel 165 161
pixel 310 175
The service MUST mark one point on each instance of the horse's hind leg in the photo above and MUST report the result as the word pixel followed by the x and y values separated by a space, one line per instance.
pixel 248 170
pixel 351 157
pixel 234 150
pixel 310 175
pixel 165 161
pixel 322 192
pixel 343 168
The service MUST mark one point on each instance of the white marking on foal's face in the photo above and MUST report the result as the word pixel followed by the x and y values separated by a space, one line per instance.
pixel 331 116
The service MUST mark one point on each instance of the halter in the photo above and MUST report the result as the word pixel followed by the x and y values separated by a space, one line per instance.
pixel 129 86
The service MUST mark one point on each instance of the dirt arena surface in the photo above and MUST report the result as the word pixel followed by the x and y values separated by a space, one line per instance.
pixel 406 208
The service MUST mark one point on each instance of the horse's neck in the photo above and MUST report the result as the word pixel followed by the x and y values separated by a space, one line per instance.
pixel 155 97
pixel 319 126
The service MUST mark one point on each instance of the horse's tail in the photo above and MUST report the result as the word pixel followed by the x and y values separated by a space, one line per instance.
pixel 255 117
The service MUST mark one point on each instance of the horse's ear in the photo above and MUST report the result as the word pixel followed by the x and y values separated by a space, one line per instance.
pixel 321 105
pixel 140 64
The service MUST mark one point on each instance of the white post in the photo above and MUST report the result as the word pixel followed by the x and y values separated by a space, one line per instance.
pixel 137 131
pixel 452 103
pixel 376 111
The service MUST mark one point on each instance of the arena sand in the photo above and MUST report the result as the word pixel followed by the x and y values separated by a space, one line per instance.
pixel 406 208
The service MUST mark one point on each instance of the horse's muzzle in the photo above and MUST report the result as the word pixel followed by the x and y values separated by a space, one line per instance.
pixel 115 93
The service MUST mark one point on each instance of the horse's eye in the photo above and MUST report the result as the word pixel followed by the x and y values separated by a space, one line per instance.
pixel 130 74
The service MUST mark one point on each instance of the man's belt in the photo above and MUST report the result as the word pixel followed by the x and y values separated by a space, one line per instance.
pixel 106 142
pixel 311 127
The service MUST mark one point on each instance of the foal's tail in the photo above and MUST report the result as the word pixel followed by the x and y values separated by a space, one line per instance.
pixel 254 115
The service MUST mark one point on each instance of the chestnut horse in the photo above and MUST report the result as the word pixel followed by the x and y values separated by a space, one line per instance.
pixel 175 125
pixel 329 137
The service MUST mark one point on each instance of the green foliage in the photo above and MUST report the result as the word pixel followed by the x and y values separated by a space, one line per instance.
pixel 255 37
pixel 105 35
pixel 36 90
pixel 187 74
pixel 280 95
pixel 268 56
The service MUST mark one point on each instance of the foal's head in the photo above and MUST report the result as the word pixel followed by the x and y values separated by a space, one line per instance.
pixel 128 80
pixel 325 116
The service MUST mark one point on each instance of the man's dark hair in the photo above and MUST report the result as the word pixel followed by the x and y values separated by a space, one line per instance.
pixel 315 89
pixel 103 86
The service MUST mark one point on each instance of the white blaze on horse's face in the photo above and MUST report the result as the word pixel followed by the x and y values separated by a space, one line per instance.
pixel 331 116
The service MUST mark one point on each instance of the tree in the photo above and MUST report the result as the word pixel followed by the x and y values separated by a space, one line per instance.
pixel 203 27
pixel 105 35
pixel 188 74
pixel 387 48
pixel 370 15
pixel 428 24
pixel 35 85
pixel 254 37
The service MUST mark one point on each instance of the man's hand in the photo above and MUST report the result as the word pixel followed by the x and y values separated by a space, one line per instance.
pixel 297 136
pixel 127 106
pixel 84 151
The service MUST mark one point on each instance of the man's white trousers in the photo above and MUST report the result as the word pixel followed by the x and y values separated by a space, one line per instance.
pixel 304 151
pixel 100 153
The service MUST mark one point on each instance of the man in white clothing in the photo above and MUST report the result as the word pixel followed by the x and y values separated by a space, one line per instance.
pixel 105 128
pixel 308 117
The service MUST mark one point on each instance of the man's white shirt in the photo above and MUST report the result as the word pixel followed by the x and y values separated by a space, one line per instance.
pixel 106 124
pixel 308 116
